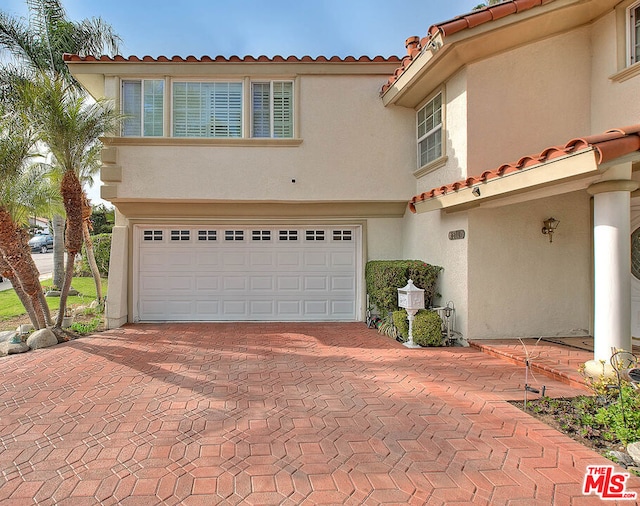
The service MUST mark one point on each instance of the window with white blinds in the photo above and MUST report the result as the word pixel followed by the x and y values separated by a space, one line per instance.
pixel 272 109
pixel 143 107
pixel 207 109
pixel 634 33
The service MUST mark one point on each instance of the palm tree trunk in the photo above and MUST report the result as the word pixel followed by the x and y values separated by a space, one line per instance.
pixel 64 292
pixel 16 253
pixel 95 272
pixel 58 251
pixel 72 195
pixel 7 272
pixel 88 244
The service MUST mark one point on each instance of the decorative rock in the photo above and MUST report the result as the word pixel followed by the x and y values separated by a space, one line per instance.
pixel 52 293
pixel 42 338
pixel 79 310
pixel 7 336
pixel 633 449
pixel 13 348
pixel 94 304
pixel 622 458
pixel 73 291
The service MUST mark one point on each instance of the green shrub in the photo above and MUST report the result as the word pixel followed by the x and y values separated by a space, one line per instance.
pixel 102 252
pixel 401 322
pixel 427 328
pixel 384 277
pixel 625 427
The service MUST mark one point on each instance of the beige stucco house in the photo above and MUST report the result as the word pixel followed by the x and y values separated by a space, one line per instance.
pixel 257 188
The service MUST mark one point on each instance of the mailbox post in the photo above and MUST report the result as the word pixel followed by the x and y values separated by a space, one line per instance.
pixel 411 298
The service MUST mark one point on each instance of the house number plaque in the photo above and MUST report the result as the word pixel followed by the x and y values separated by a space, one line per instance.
pixel 456 234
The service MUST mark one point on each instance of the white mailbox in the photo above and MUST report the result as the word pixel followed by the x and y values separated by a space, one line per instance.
pixel 411 298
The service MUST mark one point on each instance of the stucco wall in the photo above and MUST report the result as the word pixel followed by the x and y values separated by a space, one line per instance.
pixel 352 148
pixel 425 237
pixel 520 284
pixel 384 239
pixel 529 98
pixel 613 103
pixel 455 133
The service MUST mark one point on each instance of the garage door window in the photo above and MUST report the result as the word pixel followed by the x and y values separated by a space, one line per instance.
pixel 288 235
pixel 342 235
pixel 261 235
pixel 234 235
pixel 315 235
pixel 207 235
pixel 152 235
pixel 180 235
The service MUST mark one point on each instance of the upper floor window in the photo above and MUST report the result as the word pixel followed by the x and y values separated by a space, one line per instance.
pixel 207 109
pixel 430 131
pixel 143 107
pixel 272 109
pixel 634 33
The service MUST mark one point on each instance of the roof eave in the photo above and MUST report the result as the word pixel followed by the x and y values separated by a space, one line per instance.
pixel 436 65
pixel 577 168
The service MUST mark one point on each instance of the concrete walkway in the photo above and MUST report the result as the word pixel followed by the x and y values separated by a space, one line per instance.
pixel 276 414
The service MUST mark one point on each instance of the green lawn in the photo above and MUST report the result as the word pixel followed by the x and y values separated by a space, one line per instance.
pixel 11 307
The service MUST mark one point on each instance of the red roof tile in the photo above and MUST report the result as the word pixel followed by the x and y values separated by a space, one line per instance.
pixel 222 59
pixel 609 145
pixel 457 24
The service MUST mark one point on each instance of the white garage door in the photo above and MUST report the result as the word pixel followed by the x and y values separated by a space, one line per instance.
pixel 278 273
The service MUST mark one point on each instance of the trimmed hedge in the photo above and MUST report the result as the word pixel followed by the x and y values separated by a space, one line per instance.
pixel 427 327
pixel 384 277
pixel 102 252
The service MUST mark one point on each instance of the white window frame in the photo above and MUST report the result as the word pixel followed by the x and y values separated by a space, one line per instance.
pixel 272 133
pixel 431 132
pixel 201 81
pixel 632 23
pixel 143 84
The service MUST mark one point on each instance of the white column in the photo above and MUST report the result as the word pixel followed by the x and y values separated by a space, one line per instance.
pixel 612 265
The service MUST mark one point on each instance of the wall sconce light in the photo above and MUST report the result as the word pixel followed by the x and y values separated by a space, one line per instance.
pixel 550 226
pixel 476 191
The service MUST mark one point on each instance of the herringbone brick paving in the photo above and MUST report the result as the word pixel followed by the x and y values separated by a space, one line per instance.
pixel 276 414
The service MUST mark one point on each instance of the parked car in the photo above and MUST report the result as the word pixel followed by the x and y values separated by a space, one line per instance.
pixel 41 243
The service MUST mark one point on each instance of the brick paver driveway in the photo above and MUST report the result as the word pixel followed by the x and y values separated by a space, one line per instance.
pixel 275 414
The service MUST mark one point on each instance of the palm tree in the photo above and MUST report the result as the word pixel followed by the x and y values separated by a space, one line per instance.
pixel 40 43
pixel 38 46
pixel 70 127
pixel 23 192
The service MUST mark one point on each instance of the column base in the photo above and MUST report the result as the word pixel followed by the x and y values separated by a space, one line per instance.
pixel 598 369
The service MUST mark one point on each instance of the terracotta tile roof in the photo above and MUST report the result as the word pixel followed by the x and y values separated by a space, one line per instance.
pixel 230 59
pixel 608 146
pixel 414 44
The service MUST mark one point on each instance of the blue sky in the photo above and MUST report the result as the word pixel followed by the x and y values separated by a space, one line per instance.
pixel 250 27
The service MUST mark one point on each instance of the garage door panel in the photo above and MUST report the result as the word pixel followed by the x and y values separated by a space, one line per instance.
pixel 207 308
pixel 207 283
pixel 261 307
pixel 342 307
pixel 316 259
pixel 234 308
pixel 316 283
pixel 261 283
pixel 289 283
pixel 234 258
pixel 341 283
pixel 279 273
pixel 289 258
pixel 179 283
pixel 232 283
